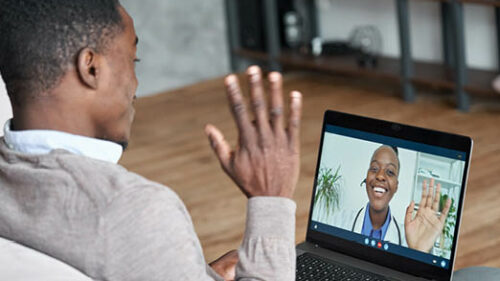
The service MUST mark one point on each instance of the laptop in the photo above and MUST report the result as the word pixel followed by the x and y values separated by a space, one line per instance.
pixel 387 202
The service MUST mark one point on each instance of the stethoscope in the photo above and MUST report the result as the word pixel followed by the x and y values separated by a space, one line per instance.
pixel 359 212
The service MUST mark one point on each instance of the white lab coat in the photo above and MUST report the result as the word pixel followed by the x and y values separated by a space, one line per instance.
pixel 352 220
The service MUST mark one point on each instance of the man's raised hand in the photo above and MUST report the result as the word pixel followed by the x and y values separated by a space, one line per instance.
pixel 266 161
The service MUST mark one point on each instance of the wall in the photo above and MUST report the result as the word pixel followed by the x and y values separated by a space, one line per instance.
pixel 338 17
pixel 180 42
pixel 183 42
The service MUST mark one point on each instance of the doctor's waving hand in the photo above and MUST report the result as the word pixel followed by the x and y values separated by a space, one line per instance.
pixel 423 229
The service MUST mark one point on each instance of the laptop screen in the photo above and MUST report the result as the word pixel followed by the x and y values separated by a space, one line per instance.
pixel 390 194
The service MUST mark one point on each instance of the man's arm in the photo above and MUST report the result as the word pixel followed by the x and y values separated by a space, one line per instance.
pixel 265 166
pixel 268 248
pixel 153 237
pixel 265 252
pixel 147 234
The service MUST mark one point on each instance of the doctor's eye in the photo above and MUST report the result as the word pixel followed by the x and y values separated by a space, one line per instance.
pixel 390 173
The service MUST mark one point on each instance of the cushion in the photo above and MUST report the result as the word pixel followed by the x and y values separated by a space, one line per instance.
pixel 20 263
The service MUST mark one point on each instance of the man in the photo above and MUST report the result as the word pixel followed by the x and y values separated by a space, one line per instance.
pixel 69 70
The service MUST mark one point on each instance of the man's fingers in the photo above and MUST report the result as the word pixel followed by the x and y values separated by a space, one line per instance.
pixel 238 108
pixel 219 145
pixel 276 88
pixel 437 197
pixel 258 100
pixel 409 212
pixel 446 209
pixel 294 120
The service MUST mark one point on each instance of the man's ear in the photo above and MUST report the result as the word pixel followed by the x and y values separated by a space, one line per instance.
pixel 88 68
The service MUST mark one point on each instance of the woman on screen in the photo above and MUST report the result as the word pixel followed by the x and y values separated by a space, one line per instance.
pixel 375 219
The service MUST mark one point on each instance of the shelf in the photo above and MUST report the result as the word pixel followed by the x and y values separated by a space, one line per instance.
pixel 427 74
pixel 480 82
pixel 387 68
pixel 495 3
pixel 478 2
pixel 440 180
pixel 443 77
pixel 445 1
pixel 257 55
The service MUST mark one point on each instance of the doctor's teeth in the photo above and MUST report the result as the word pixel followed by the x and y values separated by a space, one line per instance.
pixel 379 189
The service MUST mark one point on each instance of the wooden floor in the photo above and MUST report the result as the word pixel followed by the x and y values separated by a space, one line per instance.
pixel 168 146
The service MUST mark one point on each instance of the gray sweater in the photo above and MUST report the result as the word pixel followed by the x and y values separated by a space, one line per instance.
pixel 112 224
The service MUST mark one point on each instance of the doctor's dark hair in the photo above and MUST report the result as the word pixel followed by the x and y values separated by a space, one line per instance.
pixel 395 149
pixel 40 40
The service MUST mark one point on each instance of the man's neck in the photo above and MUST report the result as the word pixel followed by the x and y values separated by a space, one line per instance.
pixel 42 141
pixel 50 117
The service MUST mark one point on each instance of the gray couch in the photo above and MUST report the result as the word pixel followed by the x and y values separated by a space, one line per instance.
pixel 477 274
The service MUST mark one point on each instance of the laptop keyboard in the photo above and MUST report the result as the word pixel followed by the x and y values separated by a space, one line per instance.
pixel 314 268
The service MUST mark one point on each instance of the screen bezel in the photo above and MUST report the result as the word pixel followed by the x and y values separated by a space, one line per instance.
pixel 404 132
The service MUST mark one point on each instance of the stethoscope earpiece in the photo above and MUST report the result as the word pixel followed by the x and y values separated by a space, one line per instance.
pixel 361 184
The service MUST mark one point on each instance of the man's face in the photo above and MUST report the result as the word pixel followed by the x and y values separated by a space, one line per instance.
pixel 382 178
pixel 113 109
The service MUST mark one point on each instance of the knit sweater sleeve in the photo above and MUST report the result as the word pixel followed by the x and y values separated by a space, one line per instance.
pixel 148 235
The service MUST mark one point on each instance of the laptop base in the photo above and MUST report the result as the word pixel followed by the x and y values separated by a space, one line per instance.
pixel 354 262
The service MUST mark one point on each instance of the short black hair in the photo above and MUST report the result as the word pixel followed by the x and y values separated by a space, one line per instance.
pixel 40 39
pixel 395 149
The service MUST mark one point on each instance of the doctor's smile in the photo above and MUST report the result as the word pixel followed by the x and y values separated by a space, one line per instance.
pixel 379 191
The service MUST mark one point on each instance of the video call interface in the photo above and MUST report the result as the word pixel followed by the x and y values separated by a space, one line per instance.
pixel 371 188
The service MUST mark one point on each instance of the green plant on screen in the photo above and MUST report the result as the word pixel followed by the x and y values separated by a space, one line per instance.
pixel 328 192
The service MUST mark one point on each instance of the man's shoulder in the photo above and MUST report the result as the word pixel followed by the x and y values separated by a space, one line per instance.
pixel 95 182
pixel 97 185
pixel 113 179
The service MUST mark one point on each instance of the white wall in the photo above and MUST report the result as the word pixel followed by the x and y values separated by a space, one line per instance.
pixel 5 108
pixel 338 17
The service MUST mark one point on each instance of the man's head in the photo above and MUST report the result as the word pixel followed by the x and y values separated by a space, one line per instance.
pixel 382 177
pixel 69 66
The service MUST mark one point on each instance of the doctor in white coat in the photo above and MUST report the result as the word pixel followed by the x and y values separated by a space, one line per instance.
pixel 375 220
pixel 393 233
